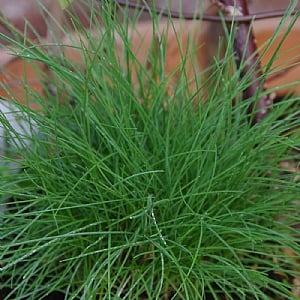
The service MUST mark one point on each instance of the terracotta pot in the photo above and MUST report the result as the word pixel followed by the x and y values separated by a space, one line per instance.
pixel 19 79
pixel 205 36
pixel 285 77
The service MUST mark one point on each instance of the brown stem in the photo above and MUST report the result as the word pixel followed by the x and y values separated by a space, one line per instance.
pixel 246 53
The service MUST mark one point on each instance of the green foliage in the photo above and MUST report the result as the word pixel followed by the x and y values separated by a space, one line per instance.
pixel 131 193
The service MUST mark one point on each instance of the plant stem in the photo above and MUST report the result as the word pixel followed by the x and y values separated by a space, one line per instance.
pixel 246 54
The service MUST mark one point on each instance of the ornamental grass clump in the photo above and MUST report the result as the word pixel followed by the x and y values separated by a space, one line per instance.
pixel 129 192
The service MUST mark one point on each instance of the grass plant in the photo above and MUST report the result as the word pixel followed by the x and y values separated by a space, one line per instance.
pixel 132 193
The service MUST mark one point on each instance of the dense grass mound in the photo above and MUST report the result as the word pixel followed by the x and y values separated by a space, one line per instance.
pixel 132 193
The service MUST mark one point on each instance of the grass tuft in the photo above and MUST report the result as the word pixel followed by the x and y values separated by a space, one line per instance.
pixel 132 193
